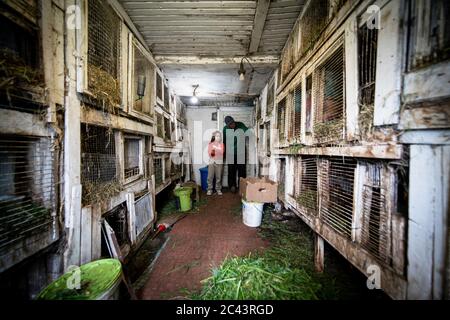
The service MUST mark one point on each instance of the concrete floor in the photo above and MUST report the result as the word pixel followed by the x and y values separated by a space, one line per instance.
pixel 197 243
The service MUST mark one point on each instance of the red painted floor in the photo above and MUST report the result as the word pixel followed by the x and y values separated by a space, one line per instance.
pixel 197 243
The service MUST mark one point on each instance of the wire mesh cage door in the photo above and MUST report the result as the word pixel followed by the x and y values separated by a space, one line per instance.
pixel 376 221
pixel 158 170
pixel 367 62
pixel 27 188
pixel 281 121
pixel 99 175
pixel 328 83
pixel 297 112
pixel 306 193
pixel 143 78
pixel 103 57
pixel 336 181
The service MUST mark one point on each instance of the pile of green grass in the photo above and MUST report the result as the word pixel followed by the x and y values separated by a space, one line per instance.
pixel 283 271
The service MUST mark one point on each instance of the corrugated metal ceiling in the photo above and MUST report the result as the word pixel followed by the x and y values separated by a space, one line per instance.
pixel 211 28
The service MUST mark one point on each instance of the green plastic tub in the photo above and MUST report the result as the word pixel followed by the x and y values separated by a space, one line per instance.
pixel 99 280
pixel 184 193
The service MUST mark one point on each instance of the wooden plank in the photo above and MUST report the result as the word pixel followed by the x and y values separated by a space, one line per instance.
pixel 193 60
pixel 441 221
pixel 388 84
pixel 191 33
pixel 195 22
pixel 138 19
pixel 357 216
pixel 120 156
pixel 205 46
pixel 186 12
pixel 80 46
pixel 427 137
pixel 398 243
pixel 130 5
pixel 96 117
pixel 16 122
pixel 262 9
pixel 151 29
pixel 53 55
pixel 428 116
pixel 427 83
pixel 73 223
pixel 351 79
pixel 131 217
pixel 72 150
pixel 423 210
pixel 380 151
pixel 86 235
pixel 96 241
pixel 319 253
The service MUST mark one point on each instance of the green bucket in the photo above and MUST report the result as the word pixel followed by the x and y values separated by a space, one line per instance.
pixel 98 280
pixel 184 193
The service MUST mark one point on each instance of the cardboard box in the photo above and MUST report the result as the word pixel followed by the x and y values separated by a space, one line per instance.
pixel 260 190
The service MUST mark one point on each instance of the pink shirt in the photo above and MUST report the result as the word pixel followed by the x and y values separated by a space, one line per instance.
pixel 218 148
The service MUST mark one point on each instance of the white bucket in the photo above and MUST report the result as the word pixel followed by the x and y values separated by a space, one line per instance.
pixel 252 213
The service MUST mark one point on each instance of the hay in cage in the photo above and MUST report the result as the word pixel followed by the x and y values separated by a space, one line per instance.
pixel 329 130
pixel 308 199
pixel 15 72
pixel 98 192
pixel 366 120
pixel 104 87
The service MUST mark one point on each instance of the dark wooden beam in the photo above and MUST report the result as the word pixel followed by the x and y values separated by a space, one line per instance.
pixel 262 9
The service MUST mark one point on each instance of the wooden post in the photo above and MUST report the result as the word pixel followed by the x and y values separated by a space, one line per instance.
pixel 319 261
pixel 131 217
pixel 96 241
pixel 72 150
pixel 86 235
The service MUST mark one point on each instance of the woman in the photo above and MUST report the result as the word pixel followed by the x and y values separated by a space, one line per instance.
pixel 215 151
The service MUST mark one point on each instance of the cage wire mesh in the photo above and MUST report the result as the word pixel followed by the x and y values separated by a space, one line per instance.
pixel 167 129
pixel 289 116
pixel 305 184
pixel 159 125
pixel 144 212
pixel 158 170
pixel 270 98
pixel 167 167
pixel 375 231
pixel 297 111
pixel 329 98
pixel 312 23
pixel 27 187
pixel 308 105
pixel 98 164
pixel 336 180
pixel 281 176
pixel 117 219
pixel 22 84
pixel 166 98
pixel 104 29
pixel 281 120
pixel 159 87
pixel 142 68
pixel 367 61
pixel 131 157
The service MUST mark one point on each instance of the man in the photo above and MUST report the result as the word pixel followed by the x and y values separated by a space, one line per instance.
pixel 235 156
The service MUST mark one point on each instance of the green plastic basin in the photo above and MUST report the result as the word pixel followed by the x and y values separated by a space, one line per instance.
pixel 97 279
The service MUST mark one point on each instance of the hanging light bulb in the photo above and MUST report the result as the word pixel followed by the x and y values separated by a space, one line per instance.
pixel 194 99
